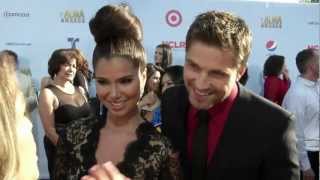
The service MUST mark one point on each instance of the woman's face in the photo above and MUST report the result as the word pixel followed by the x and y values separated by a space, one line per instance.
pixel 154 81
pixel 158 56
pixel 119 85
pixel 67 70
pixel 166 82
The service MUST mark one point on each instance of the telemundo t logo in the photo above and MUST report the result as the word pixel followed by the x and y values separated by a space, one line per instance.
pixel 73 41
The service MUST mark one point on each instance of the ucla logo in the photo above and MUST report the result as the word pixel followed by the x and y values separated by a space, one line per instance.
pixel 73 41
pixel 271 22
pixel 72 16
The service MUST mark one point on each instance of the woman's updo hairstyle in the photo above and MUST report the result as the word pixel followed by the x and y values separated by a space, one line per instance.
pixel 117 33
pixel 114 21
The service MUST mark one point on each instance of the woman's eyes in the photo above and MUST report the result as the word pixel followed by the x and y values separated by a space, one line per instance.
pixel 156 78
pixel 102 82
pixel 169 83
pixel 121 81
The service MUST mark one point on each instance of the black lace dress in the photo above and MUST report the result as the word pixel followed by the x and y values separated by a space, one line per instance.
pixel 150 157
pixel 72 108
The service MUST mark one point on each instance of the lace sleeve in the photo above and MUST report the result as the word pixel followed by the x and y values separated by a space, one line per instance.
pixel 171 168
pixel 73 141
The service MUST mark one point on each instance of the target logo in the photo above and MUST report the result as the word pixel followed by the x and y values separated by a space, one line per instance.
pixel 271 45
pixel 173 18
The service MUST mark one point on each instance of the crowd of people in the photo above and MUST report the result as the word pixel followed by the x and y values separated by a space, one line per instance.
pixel 159 120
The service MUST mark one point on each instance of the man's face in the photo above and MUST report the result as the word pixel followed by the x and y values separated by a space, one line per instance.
pixel 209 74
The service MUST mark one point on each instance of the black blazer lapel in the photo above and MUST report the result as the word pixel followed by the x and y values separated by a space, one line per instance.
pixel 232 130
pixel 174 112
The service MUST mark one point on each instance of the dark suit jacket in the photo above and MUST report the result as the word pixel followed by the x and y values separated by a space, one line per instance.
pixel 258 141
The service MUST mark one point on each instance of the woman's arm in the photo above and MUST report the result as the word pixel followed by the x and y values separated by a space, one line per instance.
pixel 47 104
pixel 83 92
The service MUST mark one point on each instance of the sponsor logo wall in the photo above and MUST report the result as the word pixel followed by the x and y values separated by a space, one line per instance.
pixel 9 14
pixel 72 16
pixel 271 45
pixel 37 28
pixel 271 22
pixel 173 18
pixel 73 41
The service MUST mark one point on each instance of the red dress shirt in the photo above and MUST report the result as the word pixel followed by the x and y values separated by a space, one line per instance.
pixel 218 117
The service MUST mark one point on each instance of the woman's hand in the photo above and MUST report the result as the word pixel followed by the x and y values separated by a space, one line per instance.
pixel 285 74
pixel 106 171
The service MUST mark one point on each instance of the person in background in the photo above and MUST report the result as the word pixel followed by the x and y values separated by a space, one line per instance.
pixel 172 76
pixel 18 159
pixel 244 78
pixel 302 99
pixel 277 80
pixel 45 81
pixel 62 106
pixel 163 56
pixel 83 75
pixel 24 82
pixel 222 130
pixel 150 101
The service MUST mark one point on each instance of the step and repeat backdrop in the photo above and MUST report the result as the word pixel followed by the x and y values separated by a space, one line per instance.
pixel 36 28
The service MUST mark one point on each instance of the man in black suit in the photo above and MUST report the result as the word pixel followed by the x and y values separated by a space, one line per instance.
pixel 244 137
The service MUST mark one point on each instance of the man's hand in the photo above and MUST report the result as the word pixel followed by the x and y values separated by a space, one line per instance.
pixel 106 171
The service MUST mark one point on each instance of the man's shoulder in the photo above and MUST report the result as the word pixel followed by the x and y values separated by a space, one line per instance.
pixel 296 92
pixel 262 113
pixel 257 104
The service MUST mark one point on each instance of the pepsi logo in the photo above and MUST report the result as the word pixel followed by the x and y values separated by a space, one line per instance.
pixel 173 18
pixel 271 45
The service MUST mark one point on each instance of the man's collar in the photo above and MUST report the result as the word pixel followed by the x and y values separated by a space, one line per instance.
pixel 308 82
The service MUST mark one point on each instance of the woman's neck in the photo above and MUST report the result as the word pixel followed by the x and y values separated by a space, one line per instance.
pixel 128 123
pixel 65 86
pixel 61 83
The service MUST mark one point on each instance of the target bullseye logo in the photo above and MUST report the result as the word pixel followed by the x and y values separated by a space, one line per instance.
pixel 173 18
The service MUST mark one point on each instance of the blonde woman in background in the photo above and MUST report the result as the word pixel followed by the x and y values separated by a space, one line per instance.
pixel 18 158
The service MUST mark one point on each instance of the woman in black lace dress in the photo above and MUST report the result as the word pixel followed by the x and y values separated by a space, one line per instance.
pixel 123 137
pixel 61 104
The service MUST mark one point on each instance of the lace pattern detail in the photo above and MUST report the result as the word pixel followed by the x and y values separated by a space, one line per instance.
pixel 150 157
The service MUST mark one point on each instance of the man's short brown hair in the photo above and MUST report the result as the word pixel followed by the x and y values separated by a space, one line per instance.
pixel 222 30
